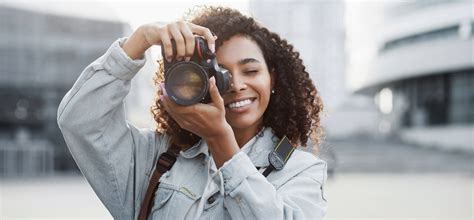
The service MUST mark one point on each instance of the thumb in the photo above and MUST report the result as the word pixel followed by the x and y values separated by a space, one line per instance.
pixel 214 92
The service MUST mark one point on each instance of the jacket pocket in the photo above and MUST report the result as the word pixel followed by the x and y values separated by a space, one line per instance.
pixel 162 196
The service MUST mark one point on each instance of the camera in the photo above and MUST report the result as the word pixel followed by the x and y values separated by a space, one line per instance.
pixel 187 82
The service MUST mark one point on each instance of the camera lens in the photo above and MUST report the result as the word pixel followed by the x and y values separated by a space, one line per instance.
pixel 186 83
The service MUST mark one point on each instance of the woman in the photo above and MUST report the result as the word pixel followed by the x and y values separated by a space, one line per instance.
pixel 224 144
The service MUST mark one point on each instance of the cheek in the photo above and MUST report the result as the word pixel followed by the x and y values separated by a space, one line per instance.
pixel 265 93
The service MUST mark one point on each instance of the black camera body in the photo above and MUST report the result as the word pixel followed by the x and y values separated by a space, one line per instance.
pixel 187 82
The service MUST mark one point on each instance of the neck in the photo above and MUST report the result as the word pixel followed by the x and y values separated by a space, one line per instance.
pixel 242 136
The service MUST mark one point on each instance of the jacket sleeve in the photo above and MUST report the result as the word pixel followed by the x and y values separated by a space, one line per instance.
pixel 249 195
pixel 115 157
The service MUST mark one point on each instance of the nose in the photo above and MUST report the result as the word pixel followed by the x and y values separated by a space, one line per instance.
pixel 237 84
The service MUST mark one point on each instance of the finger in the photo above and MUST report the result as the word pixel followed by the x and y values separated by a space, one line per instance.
pixel 179 115
pixel 188 38
pixel 172 106
pixel 207 34
pixel 164 100
pixel 163 90
pixel 178 39
pixel 164 97
pixel 169 107
pixel 166 45
pixel 214 92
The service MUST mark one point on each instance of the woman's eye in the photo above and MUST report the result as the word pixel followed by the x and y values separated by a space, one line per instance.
pixel 251 71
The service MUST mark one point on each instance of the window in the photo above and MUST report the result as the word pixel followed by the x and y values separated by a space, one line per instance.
pixel 462 97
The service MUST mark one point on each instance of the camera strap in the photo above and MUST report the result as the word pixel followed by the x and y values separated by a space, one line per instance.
pixel 277 158
pixel 164 163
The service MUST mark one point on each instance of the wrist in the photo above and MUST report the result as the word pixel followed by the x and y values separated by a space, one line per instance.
pixel 224 135
pixel 136 45
pixel 223 147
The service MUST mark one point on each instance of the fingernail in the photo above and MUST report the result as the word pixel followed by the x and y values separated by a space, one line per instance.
pixel 179 58
pixel 188 58
pixel 212 47
pixel 168 59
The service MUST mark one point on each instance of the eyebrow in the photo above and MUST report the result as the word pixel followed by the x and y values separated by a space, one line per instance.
pixel 243 62
pixel 248 60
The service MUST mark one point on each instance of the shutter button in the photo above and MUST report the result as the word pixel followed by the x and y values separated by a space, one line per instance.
pixel 211 200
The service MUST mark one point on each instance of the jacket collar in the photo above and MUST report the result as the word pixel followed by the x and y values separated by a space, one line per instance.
pixel 199 148
pixel 256 148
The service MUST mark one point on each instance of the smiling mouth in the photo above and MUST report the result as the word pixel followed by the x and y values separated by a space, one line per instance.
pixel 240 104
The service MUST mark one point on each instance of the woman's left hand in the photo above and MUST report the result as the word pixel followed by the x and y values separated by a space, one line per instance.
pixel 208 122
pixel 205 120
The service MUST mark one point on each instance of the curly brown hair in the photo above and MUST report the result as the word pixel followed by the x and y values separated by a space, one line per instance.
pixel 294 109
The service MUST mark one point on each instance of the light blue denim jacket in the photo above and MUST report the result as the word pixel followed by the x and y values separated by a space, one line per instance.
pixel 117 159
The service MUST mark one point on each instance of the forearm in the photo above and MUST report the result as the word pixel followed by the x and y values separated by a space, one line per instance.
pixel 102 85
pixel 92 119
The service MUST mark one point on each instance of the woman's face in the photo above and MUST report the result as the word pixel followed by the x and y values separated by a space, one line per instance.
pixel 251 82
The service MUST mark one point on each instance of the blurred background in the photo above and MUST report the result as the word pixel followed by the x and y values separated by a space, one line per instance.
pixel 396 78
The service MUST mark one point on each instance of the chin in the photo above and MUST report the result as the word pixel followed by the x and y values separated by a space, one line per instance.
pixel 242 123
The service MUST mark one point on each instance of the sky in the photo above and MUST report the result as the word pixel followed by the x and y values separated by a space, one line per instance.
pixel 133 12
pixel 139 13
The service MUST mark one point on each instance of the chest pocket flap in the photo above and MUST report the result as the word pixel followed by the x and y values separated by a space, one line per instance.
pixel 162 196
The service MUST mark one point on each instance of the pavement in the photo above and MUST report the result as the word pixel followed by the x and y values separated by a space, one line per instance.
pixel 401 196
pixel 378 179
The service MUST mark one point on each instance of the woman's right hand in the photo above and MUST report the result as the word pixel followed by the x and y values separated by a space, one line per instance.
pixel 181 32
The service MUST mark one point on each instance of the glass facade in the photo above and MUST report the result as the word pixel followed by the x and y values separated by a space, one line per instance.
pixel 438 99
pixel 461 97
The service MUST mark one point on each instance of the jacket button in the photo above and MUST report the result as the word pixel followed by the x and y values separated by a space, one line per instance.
pixel 211 200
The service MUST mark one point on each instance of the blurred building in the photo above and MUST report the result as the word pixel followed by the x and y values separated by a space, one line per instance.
pixel 41 55
pixel 317 30
pixel 422 74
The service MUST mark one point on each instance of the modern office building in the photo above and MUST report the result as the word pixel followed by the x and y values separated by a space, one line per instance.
pixel 41 55
pixel 422 74
pixel 317 30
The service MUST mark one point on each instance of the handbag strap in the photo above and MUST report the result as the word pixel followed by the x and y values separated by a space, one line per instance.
pixel 164 163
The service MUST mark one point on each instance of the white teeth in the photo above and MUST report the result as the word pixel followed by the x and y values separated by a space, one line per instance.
pixel 239 104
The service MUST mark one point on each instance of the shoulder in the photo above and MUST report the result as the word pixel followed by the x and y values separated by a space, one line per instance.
pixel 148 145
pixel 148 137
pixel 303 164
